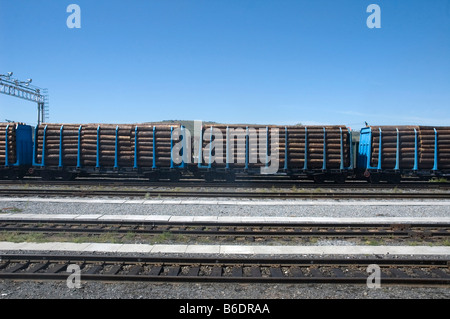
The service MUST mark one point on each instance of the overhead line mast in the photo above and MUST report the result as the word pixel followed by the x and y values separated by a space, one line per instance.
pixel 24 90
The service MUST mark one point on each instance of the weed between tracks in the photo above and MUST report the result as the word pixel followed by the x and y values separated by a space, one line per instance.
pixel 16 237
pixel 7 210
pixel 171 238
pixel 438 180
pixel 373 242
pixel 108 237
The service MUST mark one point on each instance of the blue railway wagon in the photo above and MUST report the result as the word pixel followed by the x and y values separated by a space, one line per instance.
pixel 317 152
pixel 16 147
pixel 390 152
pixel 70 150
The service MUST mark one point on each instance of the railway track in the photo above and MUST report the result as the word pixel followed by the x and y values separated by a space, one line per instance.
pixel 249 231
pixel 272 194
pixel 255 183
pixel 302 270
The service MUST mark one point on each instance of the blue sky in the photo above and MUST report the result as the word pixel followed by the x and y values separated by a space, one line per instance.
pixel 233 61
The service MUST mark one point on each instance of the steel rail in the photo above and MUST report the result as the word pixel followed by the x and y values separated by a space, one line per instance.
pixel 301 270
pixel 282 183
pixel 274 194
pixel 270 230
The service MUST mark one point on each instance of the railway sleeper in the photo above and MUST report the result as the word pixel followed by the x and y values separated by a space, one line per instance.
pixel 293 272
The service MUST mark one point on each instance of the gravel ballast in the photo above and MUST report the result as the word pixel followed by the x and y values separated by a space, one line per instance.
pixel 334 209
pixel 49 289
pixel 14 289
pixel 95 290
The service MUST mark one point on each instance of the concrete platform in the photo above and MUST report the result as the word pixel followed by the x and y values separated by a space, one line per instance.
pixel 233 202
pixel 226 219
pixel 8 247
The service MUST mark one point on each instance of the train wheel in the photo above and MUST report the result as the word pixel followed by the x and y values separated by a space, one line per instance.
pixel 175 176
pixel 13 175
pixel 67 176
pixel 340 179
pixel 153 177
pixel 209 177
pixel 394 179
pixel 374 178
pixel 47 176
pixel 197 175
pixel 230 177
pixel 319 179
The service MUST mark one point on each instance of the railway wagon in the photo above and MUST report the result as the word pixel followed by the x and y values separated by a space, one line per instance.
pixel 15 150
pixel 388 152
pixel 70 150
pixel 317 152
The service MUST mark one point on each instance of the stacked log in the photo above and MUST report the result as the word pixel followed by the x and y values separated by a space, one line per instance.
pixel 315 146
pixel 162 138
pixel 145 146
pixel 425 151
pixel 296 146
pixel 237 152
pixel 52 141
pixel 106 146
pixel 11 143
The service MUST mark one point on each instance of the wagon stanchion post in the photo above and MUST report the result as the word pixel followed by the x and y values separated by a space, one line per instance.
pixel 246 148
pixel 435 166
pixel 342 149
pixel 350 136
pixel 61 132
pixel 227 150
pixel 324 165
pixel 380 145
pixel 135 166
pixel 154 148
pixel 305 164
pixel 416 151
pixel 79 148
pixel 116 152
pixel 6 147
pixel 97 164
pixel 286 148
pixel 184 150
pixel 171 147
pixel 43 145
pixel 397 155
pixel 210 147
pixel 267 146
pixel 200 148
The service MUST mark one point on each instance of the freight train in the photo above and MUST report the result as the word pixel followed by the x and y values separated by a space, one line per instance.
pixel 220 152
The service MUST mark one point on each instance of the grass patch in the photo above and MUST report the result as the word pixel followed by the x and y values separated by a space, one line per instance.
pixel 17 237
pixel 7 210
pixel 414 243
pixel 438 180
pixel 108 237
pixel 373 242
pixel 396 190
pixel 445 242
pixel 168 237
